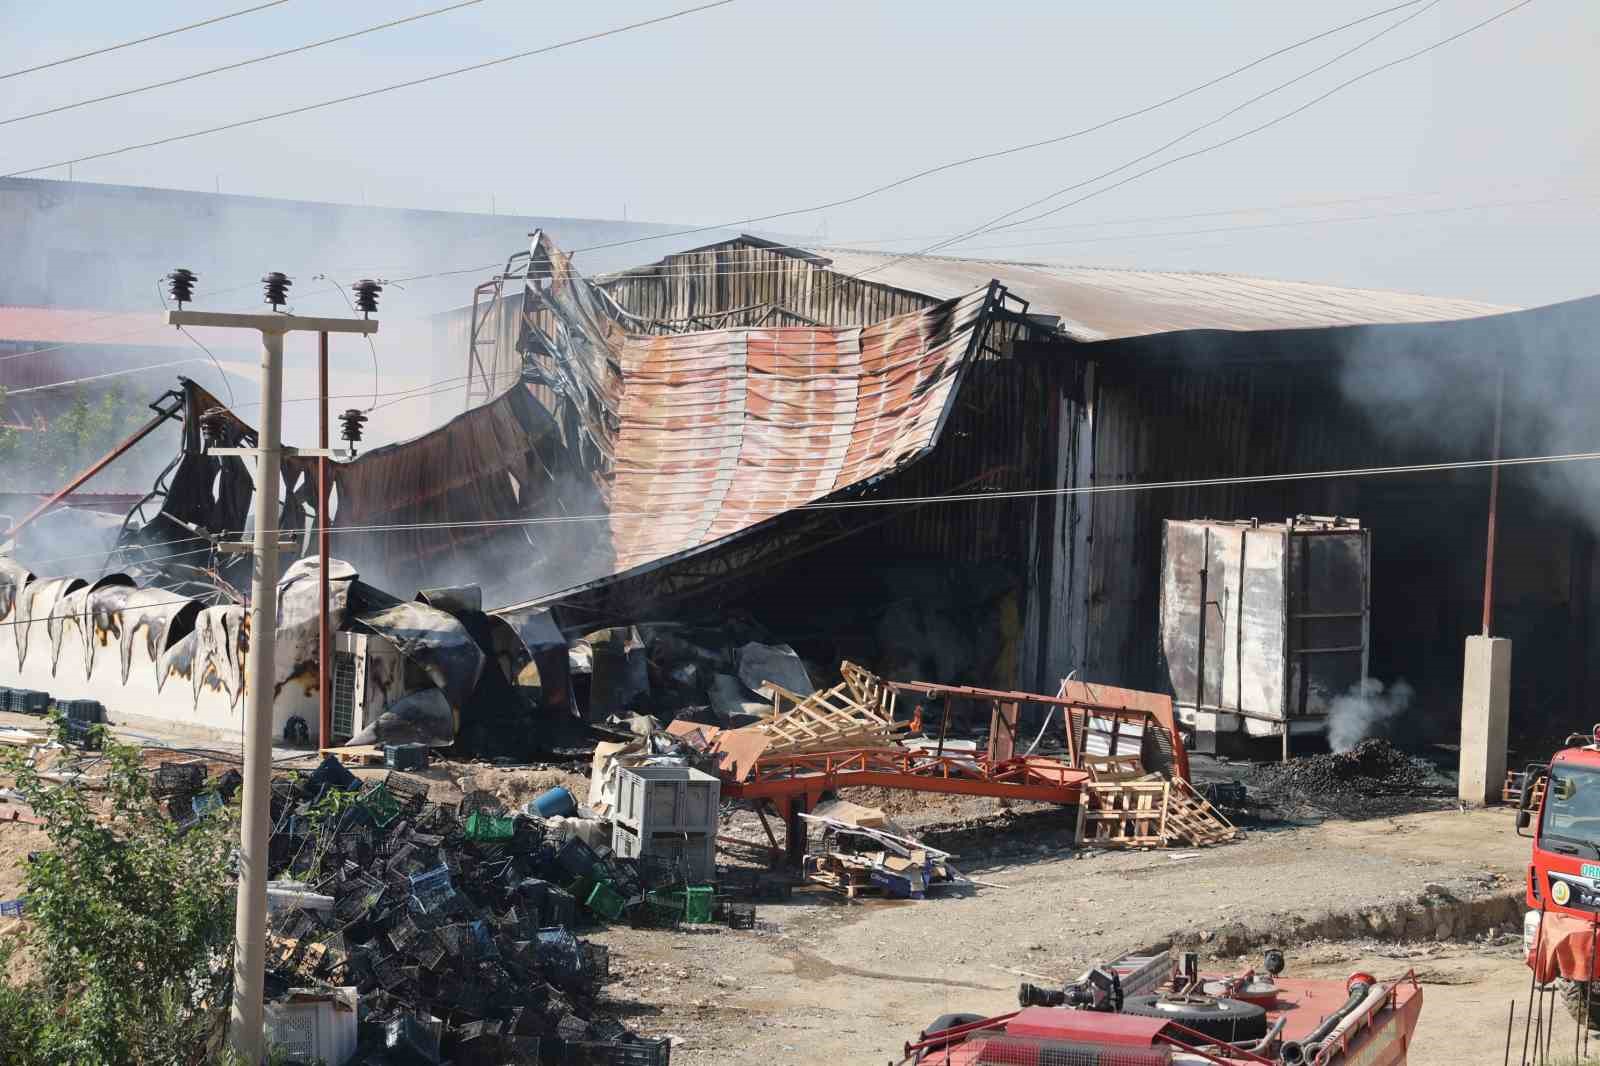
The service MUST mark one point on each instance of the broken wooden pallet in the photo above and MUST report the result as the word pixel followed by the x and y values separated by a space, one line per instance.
pixel 1114 767
pixel 1149 811
pixel 1191 819
pixel 831 719
pixel 356 754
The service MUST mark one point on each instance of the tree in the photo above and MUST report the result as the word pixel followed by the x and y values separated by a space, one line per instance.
pixel 129 917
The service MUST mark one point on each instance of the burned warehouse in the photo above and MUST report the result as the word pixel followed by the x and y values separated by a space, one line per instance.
pixel 964 470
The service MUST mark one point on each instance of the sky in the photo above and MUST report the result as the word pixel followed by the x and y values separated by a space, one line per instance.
pixel 762 106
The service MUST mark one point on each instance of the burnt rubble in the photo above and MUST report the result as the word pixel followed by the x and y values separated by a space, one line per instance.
pixel 1374 777
pixel 453 923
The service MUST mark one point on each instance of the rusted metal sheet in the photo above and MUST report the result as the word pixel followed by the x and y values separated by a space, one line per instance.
pixel 723 430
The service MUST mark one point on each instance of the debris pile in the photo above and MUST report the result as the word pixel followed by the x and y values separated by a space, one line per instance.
pixel 853 857
pixel 1353 783
pixel 454 923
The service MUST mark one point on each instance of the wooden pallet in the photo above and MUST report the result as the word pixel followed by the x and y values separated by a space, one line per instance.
pixel 1124 814
pixel 356 754
pixel 1114 767
pixel 1192 820
pixel 1149 812
pixel 830 720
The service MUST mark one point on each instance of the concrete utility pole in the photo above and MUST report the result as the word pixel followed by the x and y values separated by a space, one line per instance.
pixel 250 925
pixel 1486 677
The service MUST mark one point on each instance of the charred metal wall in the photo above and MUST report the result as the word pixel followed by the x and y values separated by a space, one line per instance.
pixel 739 282
pixel 1181 407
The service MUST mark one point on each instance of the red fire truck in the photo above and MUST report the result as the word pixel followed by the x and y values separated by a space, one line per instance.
pixel 1559 807
pixel 1146 1010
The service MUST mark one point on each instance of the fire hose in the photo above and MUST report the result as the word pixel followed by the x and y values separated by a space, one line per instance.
pixel 1300 1052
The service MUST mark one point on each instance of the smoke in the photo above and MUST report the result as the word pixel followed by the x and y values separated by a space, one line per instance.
pixel 1438 389
pixel 1362 710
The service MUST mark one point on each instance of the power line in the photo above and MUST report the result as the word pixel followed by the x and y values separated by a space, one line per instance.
pixel 990 227
pixel 980 497
pixel 994 223
pixel 225 379
pixel 1015 494
pixel 1292 205
pixel 375 92
pixel 142 40
pixel 1104 124
pixel 242 63
pixel 102 377
pixel 1379 215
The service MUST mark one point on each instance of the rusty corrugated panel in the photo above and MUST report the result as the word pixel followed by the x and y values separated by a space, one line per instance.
pixel 723 430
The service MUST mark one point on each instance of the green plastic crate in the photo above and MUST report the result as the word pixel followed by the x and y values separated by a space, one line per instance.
pixel 385 808
pixel 483 827
pixel 606 901
pixel 696 903
pixel 700 903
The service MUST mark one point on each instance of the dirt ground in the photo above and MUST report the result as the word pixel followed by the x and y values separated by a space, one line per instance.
pixel 826 981
pixel 830 982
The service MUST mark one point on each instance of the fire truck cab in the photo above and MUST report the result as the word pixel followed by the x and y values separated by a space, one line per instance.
pixel 1559 809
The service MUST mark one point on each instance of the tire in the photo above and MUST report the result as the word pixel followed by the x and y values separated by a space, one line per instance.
pixel 1232 1020
pixel 1577 996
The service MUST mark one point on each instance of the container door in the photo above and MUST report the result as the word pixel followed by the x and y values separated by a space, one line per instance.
pixel 1327 618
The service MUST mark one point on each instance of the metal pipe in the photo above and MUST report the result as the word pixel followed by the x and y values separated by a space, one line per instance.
pixel 250 925
pixel 106 460
pixel 1494 507
pixel 324 629
pixel 1200 653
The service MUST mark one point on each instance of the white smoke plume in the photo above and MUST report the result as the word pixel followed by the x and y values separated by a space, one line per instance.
pixel 1353 716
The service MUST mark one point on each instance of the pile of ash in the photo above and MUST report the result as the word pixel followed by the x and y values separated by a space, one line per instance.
pixel 1374 777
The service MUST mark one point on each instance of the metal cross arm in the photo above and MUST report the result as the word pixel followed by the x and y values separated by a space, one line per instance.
pixel 271 322
pixel 250 927
pixel 288 450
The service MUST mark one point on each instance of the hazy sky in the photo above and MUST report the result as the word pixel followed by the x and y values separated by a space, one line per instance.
pixel 765 105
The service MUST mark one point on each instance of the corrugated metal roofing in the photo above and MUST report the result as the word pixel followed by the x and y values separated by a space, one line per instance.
pixel 722 430
pixel 1099 303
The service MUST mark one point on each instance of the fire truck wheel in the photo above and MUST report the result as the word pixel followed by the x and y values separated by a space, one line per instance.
pixel 1232 1020
pixel 1578 1000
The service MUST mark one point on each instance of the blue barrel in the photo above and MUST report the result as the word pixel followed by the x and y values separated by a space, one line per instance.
pixel 556 803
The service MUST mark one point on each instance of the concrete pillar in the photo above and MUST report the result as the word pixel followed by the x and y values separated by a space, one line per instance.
pixel 1485 714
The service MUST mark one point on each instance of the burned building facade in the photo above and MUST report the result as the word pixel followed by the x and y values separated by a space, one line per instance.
pixel 1024 543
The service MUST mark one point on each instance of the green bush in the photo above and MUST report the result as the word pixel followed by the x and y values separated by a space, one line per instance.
pixel 129 920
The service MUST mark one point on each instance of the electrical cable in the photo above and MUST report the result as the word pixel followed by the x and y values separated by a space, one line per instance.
pixel 370 345
pixel 994 223
pixel 981 497
pixel 305 108
pixel 226 383
pixel 1377 216
pixel 242 63
pixel 100 377
pixel 142 40
pixel 1103 124
pixel 992 226
pixel 1008 494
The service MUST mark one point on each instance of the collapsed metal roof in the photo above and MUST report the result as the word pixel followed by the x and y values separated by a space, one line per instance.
pixel 1101 303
